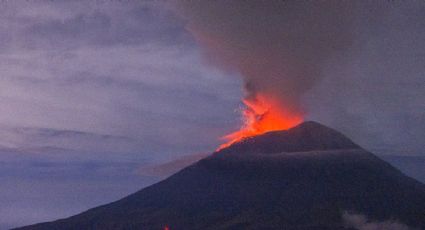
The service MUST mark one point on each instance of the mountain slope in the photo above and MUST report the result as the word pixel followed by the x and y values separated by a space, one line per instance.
pixel 303 178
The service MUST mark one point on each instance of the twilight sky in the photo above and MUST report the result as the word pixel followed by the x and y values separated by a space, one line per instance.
pixel 118 77
pixel 91 91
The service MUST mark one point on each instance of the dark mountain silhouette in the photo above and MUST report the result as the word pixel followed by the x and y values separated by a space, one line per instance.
pixel 303 178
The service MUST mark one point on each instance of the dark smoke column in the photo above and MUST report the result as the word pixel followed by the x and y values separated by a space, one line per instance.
pixel 278 47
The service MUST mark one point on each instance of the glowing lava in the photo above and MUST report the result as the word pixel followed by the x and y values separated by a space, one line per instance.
pixel 262 115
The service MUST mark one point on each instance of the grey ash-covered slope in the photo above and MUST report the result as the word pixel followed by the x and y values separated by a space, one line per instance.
pixel 302 178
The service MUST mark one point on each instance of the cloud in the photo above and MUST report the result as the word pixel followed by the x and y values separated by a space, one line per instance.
pixel 90 92
pixel 31 139
pixel 170 167
pixel 67 25
pixel 111 69
pixel 360 222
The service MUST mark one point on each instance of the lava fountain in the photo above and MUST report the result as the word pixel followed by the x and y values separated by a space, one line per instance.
pixel 260 115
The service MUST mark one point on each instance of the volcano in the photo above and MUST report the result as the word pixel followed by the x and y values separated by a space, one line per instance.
pixel 308 177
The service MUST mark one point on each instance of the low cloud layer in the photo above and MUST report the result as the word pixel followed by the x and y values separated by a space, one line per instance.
pixel 360 222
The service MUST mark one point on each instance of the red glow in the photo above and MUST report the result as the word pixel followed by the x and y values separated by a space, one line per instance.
pixel 262 115
pixel 166 227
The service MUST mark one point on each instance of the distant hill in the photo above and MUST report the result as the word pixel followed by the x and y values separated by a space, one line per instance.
pixel 308 177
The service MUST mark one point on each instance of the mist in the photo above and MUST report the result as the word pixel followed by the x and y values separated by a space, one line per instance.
pixel 361 222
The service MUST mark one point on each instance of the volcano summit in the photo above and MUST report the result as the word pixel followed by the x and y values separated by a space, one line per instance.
pixel 308 177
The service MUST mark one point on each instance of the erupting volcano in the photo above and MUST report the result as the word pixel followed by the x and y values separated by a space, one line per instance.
pixel 307 177
pixel 260 115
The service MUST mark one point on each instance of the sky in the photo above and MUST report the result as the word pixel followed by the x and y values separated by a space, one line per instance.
pixel 91 92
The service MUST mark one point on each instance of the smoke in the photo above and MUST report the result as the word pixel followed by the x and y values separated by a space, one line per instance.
pixel 354 65
pixel 278 47
pixel 360 222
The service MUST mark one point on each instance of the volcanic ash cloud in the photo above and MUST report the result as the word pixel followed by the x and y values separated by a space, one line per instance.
pixel 278 47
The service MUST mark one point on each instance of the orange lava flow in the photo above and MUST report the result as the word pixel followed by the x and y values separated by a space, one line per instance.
pixel 262 115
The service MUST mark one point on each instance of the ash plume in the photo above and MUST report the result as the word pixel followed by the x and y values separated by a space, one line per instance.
pixel 354 65
pixel 278 47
